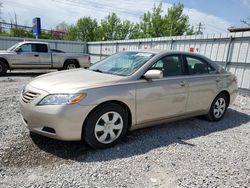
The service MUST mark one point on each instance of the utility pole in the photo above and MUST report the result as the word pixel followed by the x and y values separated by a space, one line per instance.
pixel 200 28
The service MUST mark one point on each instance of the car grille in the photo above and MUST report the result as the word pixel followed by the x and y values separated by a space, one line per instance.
pixel 28 96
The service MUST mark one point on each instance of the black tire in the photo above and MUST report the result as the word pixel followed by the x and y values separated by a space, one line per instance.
pixel 70 64
pixel 212 115
pixel 89 133
pixel 3 68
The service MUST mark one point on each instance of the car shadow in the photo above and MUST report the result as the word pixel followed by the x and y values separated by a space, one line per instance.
pixel 141 141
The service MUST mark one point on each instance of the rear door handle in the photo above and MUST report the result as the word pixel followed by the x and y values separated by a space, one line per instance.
pixel 182 83
pixel 36 55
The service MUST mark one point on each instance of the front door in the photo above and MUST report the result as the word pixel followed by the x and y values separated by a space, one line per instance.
pixel 162 98
pixel 26 57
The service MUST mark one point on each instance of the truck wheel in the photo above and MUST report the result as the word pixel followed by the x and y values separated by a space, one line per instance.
pixel 70 65
pixel 3 68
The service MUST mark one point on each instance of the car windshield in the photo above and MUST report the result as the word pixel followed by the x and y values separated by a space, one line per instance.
pixel 12 47
pixel 123 64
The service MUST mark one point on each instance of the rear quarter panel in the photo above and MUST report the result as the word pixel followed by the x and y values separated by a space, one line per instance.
pixel 60 58
pixel 229 84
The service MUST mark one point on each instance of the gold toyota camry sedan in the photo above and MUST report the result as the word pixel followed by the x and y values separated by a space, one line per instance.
pixel 126 91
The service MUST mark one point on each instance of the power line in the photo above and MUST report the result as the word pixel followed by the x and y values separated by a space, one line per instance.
pixel 91 4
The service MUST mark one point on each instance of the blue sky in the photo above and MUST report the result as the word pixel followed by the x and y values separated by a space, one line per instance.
pixel 230 10
pixel 217 15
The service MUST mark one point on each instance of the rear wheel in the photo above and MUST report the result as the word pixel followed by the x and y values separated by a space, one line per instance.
pixel 70 64
pixel 3 68
pixel 218 108
pixel 106 126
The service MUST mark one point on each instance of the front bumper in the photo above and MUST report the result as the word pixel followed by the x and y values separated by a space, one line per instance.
pixel 62 122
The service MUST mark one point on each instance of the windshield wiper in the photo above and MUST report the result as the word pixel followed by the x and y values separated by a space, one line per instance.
pixel 97 70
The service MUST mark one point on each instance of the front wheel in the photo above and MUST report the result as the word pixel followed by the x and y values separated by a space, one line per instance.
pixel 3 68
pixel 218 108
pixel 106 126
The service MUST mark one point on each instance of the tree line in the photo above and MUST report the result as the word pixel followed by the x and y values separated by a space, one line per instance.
pixel 154 23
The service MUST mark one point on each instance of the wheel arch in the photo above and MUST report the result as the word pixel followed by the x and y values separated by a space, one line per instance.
pixel 226 93
pixel 120 103
pixel 71 59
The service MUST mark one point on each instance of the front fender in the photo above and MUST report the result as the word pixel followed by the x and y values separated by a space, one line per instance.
pixel 124 93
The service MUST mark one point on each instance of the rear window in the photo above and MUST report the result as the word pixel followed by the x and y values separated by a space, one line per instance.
pixel 198 66
pixel 41 48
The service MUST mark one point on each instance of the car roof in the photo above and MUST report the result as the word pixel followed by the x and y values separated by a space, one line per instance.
pixel 33 42
pixel 168 52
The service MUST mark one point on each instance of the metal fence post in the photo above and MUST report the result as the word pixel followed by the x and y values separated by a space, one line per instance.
pixel 100 51
pixel 86 48
pixel 116 47
pixel 228 52
pixel 171 44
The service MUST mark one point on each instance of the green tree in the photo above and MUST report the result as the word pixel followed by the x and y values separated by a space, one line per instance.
pixel 152 23
pixel 112 28
pixel 173 23
pixel 19 32
pixel 176 23
pixel 136 32
pixel 86 29
pixel 71 33
pixel 46 35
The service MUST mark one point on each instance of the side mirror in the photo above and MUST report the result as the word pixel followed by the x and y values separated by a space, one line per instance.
pixel 153 74
pixel 17 50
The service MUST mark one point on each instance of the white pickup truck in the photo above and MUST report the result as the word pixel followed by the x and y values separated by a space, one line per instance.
pixel 38 55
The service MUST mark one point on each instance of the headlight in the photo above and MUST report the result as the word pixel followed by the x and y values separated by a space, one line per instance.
pixel 60 99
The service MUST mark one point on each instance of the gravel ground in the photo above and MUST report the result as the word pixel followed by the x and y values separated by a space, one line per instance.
pixel 187 153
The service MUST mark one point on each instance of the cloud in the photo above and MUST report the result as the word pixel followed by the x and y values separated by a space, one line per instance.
pixel 53 12
pixel 211 23
pixel 246 3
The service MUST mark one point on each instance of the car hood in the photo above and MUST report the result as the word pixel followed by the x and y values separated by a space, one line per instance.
pixel 5 52
pixel 71 81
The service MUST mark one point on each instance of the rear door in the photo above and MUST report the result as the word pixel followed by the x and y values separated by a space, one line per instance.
pixel 45 60
pixel 162 98
pixel 203 83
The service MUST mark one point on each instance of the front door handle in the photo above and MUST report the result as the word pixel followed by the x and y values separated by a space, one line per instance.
pixel 36 55
pixel 182 83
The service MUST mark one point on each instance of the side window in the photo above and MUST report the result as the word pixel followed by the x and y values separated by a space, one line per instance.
pixel 42 48
pixel 26 48
pixel 169 65
pixel 197 66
